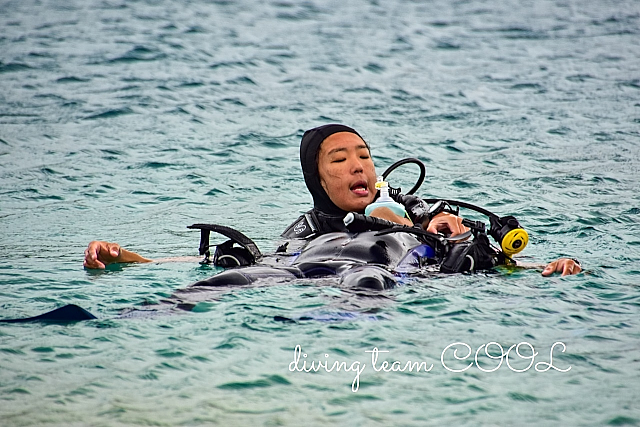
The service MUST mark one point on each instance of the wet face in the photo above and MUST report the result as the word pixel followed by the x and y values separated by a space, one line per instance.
pixel 347 172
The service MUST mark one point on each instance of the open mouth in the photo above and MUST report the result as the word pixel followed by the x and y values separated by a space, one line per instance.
pixel 360 188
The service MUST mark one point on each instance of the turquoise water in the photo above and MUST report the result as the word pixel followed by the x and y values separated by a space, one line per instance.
pixel 128 121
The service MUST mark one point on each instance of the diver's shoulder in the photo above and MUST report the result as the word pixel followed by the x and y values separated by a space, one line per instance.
pixel 314 223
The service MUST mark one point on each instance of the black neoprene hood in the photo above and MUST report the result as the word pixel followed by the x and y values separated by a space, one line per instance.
pixel 309 148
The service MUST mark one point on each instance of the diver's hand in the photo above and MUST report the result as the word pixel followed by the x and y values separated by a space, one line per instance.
pixel 566 266
pixel 100 254
pixel 447 224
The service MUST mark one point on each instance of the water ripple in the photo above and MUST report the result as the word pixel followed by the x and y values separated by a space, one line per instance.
pixel 128 121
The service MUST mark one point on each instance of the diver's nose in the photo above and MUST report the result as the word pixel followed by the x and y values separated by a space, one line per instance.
pixel 356 165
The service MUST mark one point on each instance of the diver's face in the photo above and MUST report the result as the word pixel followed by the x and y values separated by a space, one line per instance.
pixel 347 172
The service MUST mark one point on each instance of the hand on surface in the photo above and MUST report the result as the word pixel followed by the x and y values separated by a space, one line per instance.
pixel 99 254
pixel 566 266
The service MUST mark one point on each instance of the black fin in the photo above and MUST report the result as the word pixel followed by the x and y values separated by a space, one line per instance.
pixel 68 313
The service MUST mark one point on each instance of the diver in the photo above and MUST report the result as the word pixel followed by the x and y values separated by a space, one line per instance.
pixel 341 177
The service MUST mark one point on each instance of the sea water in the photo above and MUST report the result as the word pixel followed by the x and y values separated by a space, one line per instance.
pixel 129 121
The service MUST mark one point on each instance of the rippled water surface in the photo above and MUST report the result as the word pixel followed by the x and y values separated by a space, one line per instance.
pixel 128 121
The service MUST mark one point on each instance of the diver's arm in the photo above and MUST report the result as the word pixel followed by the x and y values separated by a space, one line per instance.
pixel 100 254
pixel 386 213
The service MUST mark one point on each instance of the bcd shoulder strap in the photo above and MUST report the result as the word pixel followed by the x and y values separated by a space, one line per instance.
pixel 304 227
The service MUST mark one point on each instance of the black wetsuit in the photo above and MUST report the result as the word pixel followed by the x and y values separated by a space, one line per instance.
pixel 365 259
pixel 318 244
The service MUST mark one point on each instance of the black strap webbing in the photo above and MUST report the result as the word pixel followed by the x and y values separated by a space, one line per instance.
pixel 229 232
